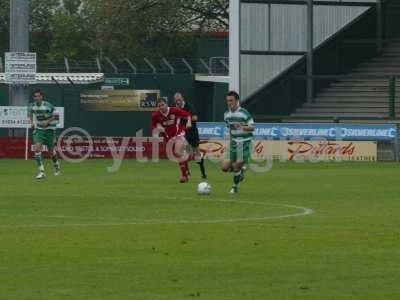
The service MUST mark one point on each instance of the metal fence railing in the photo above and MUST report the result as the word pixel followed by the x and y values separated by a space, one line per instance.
pixel 135 65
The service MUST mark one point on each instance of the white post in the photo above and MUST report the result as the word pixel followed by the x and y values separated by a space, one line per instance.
pixel 26 143
pixel 234 45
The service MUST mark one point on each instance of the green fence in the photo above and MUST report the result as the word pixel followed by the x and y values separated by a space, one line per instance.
pixel 207 98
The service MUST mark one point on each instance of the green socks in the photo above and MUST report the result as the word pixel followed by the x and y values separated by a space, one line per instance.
pixel 39 161
pixel 236 178
pixel 56 163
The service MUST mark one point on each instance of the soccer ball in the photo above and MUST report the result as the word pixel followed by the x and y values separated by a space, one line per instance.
pixel 204 188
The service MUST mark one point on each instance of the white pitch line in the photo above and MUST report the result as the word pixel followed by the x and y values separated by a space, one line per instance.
pixel 303 212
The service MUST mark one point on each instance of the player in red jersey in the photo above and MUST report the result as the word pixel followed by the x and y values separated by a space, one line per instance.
pixel 168 120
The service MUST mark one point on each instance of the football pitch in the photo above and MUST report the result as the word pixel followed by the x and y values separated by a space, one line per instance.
pixel 300 231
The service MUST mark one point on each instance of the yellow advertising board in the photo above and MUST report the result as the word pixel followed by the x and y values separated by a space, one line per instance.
pixel 119 100
pixel 300 150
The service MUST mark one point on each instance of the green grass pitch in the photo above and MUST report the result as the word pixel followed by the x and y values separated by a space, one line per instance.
pixel 138 234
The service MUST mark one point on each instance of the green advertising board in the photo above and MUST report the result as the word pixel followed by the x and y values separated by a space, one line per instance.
pixel 117 81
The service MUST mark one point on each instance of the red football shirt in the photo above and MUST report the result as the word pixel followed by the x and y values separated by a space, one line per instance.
pixel 171 121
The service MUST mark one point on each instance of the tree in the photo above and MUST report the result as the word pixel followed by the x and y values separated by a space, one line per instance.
pixel 207 15
pixel 70 32
pixel 137 28
pixel 152 27
pixel 4 26
pixel 72 6
pixel 83 29
pixel 41 15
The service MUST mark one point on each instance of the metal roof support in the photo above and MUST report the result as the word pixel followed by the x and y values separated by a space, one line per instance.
pixel 98 64
pixel 166 62
pixel 147 61
pixel 188 66
pixel 112 65
pixel 134 69
pixel 208 68
pixel 66 62
pixel 223 62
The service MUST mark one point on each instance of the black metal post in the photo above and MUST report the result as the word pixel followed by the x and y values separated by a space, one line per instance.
pixel 392 97
pixel 379 26
pixel 310 50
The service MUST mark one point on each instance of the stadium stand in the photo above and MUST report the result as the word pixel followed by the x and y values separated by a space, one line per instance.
pixel 353 78
pixel 359 96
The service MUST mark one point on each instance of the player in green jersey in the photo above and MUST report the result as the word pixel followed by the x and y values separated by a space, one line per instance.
pixel 241 125
pixel 44 123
